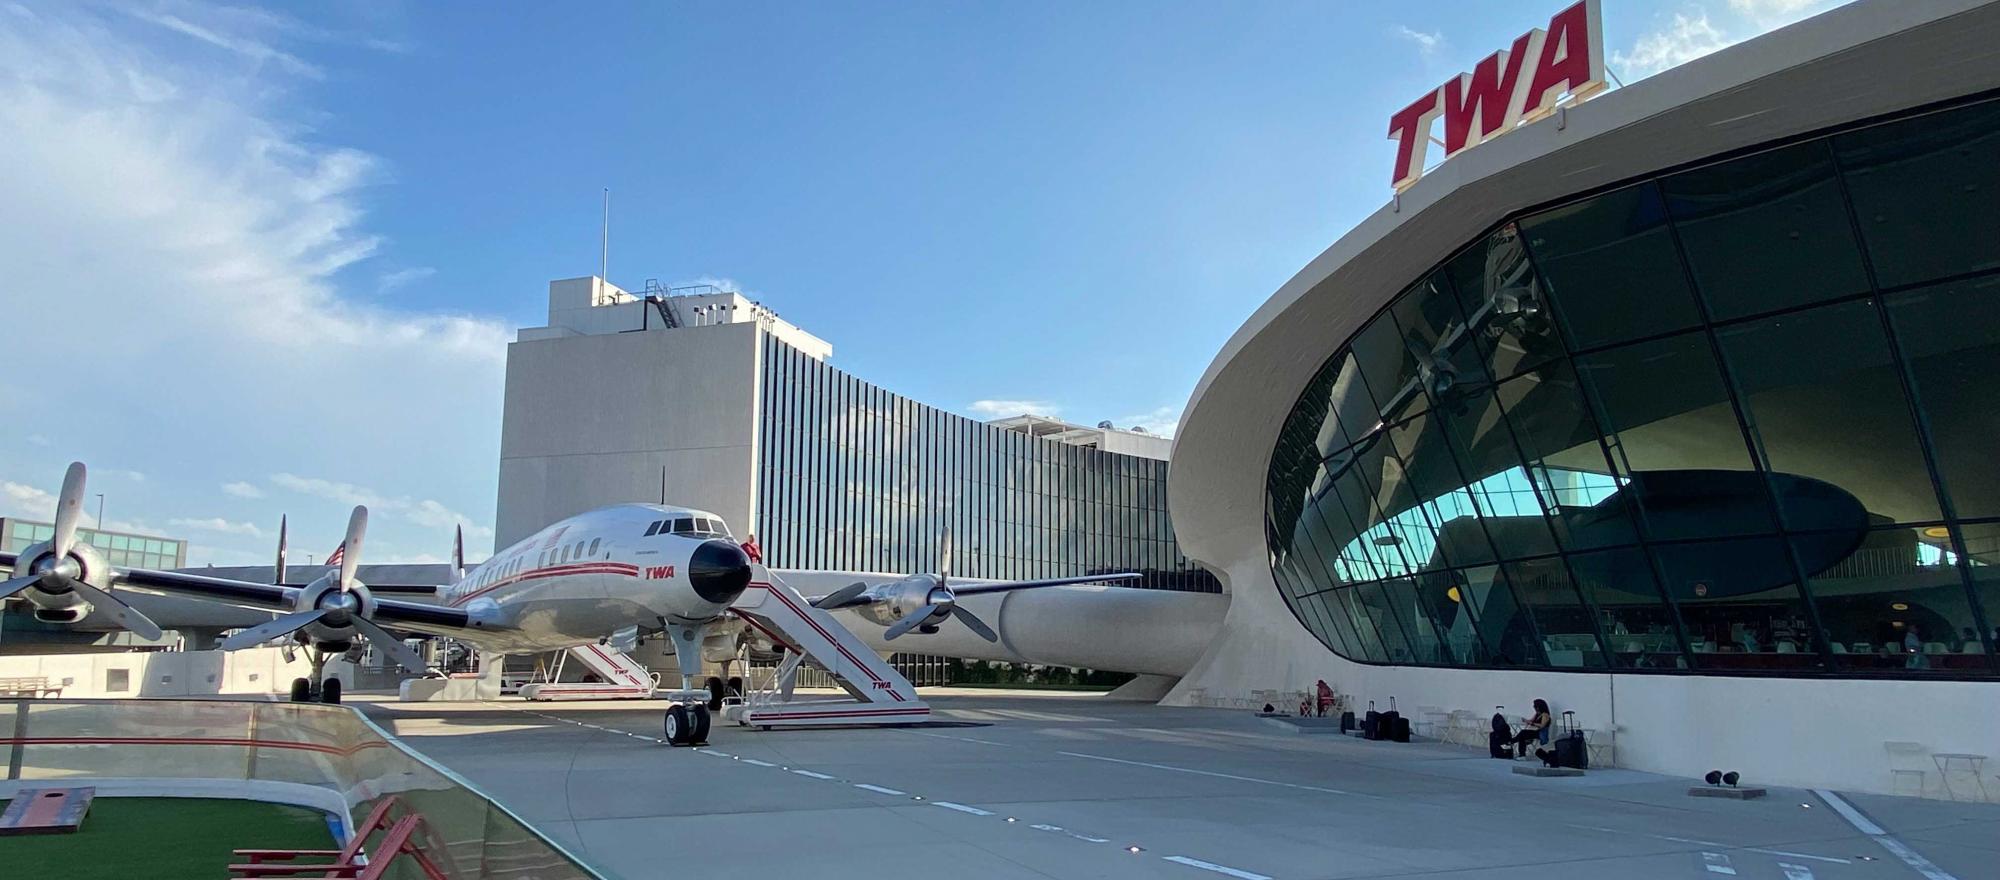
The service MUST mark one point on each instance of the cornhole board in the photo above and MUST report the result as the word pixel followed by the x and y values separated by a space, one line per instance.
pixel 46 811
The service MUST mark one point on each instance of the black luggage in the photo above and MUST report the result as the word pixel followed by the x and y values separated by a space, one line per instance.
pixel 1394 723
pixel 1346 722
pixel 1371 723
pixel 1500 745
pixel 1569 746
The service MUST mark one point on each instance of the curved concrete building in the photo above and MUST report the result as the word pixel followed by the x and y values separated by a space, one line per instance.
pixel 1668 408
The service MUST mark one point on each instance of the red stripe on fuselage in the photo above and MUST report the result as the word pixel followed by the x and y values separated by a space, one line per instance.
pixel 575 568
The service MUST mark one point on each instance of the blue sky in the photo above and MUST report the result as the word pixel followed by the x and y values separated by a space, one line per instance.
pixel 266 260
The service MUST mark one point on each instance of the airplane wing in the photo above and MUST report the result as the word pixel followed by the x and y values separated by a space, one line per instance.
pixel 392 613
pixel 976 589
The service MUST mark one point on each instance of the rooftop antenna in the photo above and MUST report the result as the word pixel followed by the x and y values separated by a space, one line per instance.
pixel 663 484
pixel 604 258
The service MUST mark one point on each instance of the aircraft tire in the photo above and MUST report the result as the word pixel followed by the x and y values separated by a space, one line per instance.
pixel 302 690
pixel 715 693
pixel 700 733
pixel 329 693
pixel 736 685
pixel 678 725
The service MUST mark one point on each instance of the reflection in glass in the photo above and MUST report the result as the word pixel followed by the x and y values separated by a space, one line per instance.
pixel 1610 266
pixel 1926 193
pixel 1952 353
pixel 1896 602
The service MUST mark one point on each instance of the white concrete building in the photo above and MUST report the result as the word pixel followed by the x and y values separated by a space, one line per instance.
pixel 1668 408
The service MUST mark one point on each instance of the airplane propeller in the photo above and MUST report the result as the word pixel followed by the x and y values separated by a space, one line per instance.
pixel 939 602
pixel 60 568
pixel 337 601
pixel 841 597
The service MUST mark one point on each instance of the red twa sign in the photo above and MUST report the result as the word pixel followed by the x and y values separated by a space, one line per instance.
pixel 1515 85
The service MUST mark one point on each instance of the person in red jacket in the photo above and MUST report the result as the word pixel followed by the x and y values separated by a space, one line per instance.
pixel 751 549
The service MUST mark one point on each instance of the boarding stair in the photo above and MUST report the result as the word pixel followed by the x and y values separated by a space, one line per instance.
pixel 619 677
pixel 876 692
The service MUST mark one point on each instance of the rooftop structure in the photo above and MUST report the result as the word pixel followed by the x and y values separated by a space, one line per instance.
pixel 1106 436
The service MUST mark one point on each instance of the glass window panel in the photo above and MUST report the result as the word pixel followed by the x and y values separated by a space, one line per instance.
pixel 1892 599
pixel 1982 564
pixel 1389 369
pixel 1425 638
pixel 1504 304
pixel 1767 231
pixel 1346 608
pixel 1559 442
pixel 1948 345
pixel 1926 193
pixel 1569 635
pixel 1610 266
pixel 1502 624
pixel 1638 624
pixel 1842 423
pixel 1675 439
pixel 1378 603
pixel 1448 511
pixel 1740 602
pixel 1433 328
pixel 1499 488
pixel 1458 639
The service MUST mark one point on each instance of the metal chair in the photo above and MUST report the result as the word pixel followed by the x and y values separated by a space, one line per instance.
pixel 1901 755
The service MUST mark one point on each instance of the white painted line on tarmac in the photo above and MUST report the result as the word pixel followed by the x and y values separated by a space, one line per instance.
pixel 812 775
pixel 1219 869
pixel 1058 829
pixel 1717 863
pixel 1719 844
pixel 758 763
pixel 983 742
pixel 878 789
pixel 1796 872
pixel 1213 773
pixel 1901 850
pixel 962 808
pixel 712 752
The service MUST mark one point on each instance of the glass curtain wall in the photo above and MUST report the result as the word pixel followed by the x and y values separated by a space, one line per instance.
pixel 1729 419
pixel 852 477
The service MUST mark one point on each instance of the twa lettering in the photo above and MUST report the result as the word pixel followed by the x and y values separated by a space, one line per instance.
pixel 657 572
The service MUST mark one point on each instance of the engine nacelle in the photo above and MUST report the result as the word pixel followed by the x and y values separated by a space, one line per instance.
pixel 897 600
pixel 64 606
pixel 325 594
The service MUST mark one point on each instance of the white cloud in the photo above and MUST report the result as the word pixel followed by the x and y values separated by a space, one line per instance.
pixel 1687 37
pixel 26 501
pixel 1163 421
pixel 218 525
pixel 1004 408
pixel 1777 12
pixel 423 512
pixel 1428 44
pixel 160 159
pixel 132 475
pixel 38 439
pixel 402 277
pixel 241 489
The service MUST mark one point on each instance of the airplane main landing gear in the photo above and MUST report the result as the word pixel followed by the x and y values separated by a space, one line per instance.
pixel 315 690
pixel 687 725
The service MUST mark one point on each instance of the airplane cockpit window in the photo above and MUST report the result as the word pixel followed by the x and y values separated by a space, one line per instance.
pixel 683 525
pixel 701 524
pixel 720 528
pixel 654 529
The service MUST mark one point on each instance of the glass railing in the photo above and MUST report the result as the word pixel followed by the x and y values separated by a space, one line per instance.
pixel 330 747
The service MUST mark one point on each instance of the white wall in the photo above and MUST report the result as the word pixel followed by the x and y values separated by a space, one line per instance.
pixel 167 673
pixel 591 420
pixel 1814 733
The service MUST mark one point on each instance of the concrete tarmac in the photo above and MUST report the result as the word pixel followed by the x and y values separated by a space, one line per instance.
pixel 1072 786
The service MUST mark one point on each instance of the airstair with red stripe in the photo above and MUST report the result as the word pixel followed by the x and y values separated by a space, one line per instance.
pixel 619 677
pixel 876 692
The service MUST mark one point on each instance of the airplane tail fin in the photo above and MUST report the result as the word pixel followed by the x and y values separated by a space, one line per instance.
pixel 278 573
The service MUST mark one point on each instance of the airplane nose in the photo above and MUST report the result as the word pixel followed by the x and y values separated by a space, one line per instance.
pixel 718 571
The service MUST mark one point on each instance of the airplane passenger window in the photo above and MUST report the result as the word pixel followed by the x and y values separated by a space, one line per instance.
pixel 593 546
pixel 576 550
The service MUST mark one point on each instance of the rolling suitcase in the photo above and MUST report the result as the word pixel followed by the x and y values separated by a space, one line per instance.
pixel 1394 724
pixel 1347 722
pixel 1569 745
pixel 1371 723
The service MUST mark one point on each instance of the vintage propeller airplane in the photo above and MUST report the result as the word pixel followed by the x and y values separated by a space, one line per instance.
pixel 581 580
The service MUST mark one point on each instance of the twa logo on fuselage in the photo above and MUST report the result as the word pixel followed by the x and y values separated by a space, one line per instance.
pixel 658 572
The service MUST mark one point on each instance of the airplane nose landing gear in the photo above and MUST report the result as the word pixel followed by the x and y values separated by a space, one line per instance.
pixel 687 725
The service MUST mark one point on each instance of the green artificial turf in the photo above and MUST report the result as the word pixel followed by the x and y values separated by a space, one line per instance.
pixel 164 838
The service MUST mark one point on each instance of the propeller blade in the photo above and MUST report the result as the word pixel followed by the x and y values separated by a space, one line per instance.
pixel 944 558
pixel 908 623
pixel 388 644
pixel 457 557
pixel 69 510
pixel 972 622
pixel 841 597
pixel 9 588
pixel 124 615
pixel 271 629
pixel 357 528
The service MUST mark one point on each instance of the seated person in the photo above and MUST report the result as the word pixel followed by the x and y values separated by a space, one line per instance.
pixel 1533 730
